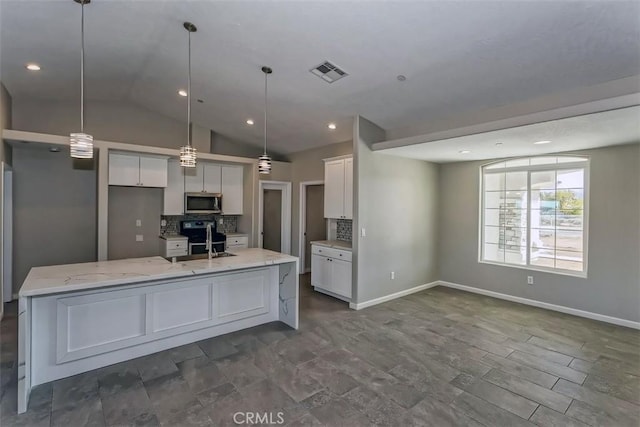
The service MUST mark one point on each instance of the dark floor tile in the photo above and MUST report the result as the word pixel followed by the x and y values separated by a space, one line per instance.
pixel 86 413
pixel 201 374
pixel 215 394
pixel 241 373
pixel 334 412
pixel 75 391
pixel 329 376
pixel 185 352
pixel 123 407
pixel 432 413
pixel 169 395
pixel 266 395
pixel 195 415
pixel 118 378
pixel 549 367
pixel 549 418
pixel 529 390
pixel 155 365
pixel 217 348
pixel 486 413
pixel 520 370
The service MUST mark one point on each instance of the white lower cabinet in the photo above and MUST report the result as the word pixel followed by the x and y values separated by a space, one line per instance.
pixel 331 271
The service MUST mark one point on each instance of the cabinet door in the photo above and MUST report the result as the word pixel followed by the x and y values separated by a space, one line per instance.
pixel 348 188
pixel 232 189
pixel 213 178
pixel 194 178
pixel 319 271
pixel 124 170
pixel 334 189
pixel 174 192
pixel 340 277
pixel 153 172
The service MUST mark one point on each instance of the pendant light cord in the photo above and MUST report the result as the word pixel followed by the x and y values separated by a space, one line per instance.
pixel 189 97
pixel 265 113
pixel 82 70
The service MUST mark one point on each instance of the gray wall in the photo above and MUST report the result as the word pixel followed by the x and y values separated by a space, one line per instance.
pixel 5 156
pixel 613 284
pixel 397 204
pixel 109 121
pixel 54 211
pixel 308 166
pixel 222 144
pixel 126 205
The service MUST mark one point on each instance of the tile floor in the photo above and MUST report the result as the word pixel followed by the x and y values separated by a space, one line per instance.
pixel 440 357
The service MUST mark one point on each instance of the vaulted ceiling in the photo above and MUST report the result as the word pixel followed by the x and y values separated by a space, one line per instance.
pixel 457 56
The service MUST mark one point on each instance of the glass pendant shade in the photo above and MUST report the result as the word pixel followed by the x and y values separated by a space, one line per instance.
pixel 188 157
pixel 264 164
pixel 81 145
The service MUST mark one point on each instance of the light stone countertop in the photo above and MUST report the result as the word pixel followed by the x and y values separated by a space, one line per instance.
pixel 174 237
pixel 336 244
pixel 77 277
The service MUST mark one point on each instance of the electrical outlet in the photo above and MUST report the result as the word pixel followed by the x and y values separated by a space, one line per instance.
pixel 393 275
pixel 221 221
pixel 163 223
pixel 364 232
pixel 138 223
pixel 139 237
pixel 529 280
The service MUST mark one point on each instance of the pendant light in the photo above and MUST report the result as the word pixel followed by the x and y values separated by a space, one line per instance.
pixel 81 144
pixel 187 152
pixel 264 161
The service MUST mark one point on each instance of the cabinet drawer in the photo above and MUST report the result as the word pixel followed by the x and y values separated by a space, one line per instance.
pixel 331 252
pixel 177 252
pixel 176 244
pixel 238 241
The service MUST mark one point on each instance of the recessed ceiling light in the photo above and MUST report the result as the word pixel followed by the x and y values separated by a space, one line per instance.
pixel 332 126
pixel 464 151
pixel 498 144
pixel 250 122
pixel 54 149
pixel 32 67
pixel 182 92
pixel 542 142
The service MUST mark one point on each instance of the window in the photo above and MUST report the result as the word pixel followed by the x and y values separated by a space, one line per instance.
pixel 534 213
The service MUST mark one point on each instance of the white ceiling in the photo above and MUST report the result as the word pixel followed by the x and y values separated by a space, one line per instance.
pixel 621 126
pixel 458 56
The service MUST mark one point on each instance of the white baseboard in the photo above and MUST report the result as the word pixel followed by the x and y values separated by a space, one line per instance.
pixel 545 305
pixel 375 301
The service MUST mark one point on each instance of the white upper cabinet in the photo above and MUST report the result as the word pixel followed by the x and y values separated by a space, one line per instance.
pixel 137 171
pixel 205 177
pixel 174 193
pixel 338 188
pixel 212 178
pixel 232 189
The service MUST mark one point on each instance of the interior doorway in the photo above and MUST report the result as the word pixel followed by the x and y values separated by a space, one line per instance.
pixel 274 228
pixel 312 222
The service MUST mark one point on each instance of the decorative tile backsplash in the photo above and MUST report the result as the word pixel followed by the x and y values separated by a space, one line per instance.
pixel 229 222
pixel 344 229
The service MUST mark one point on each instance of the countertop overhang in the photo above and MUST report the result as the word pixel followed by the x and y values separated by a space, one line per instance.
pixel 93 275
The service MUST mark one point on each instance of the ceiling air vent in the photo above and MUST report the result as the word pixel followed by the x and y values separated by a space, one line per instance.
pixel 328 72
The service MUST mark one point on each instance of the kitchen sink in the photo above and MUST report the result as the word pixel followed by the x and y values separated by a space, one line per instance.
pixel 199 256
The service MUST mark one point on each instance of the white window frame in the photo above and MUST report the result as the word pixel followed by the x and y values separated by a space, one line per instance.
pixel 585 164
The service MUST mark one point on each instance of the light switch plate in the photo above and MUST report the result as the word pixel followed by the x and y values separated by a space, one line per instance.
pixel 139 237
pixel 138 223
pixel 363 232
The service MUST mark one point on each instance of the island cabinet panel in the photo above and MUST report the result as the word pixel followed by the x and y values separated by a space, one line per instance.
pixel 77 332
pixel 181 306
pixel 242 295
pixel 91 324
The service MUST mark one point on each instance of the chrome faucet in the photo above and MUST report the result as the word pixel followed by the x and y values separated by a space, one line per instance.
pixel 209 242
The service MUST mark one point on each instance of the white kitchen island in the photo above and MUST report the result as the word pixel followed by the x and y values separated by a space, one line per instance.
pixel 78 317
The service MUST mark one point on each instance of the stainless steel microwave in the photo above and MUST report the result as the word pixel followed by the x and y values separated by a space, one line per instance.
pixel 204 203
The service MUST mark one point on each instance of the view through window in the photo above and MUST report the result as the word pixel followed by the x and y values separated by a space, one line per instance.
pixel 534 213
